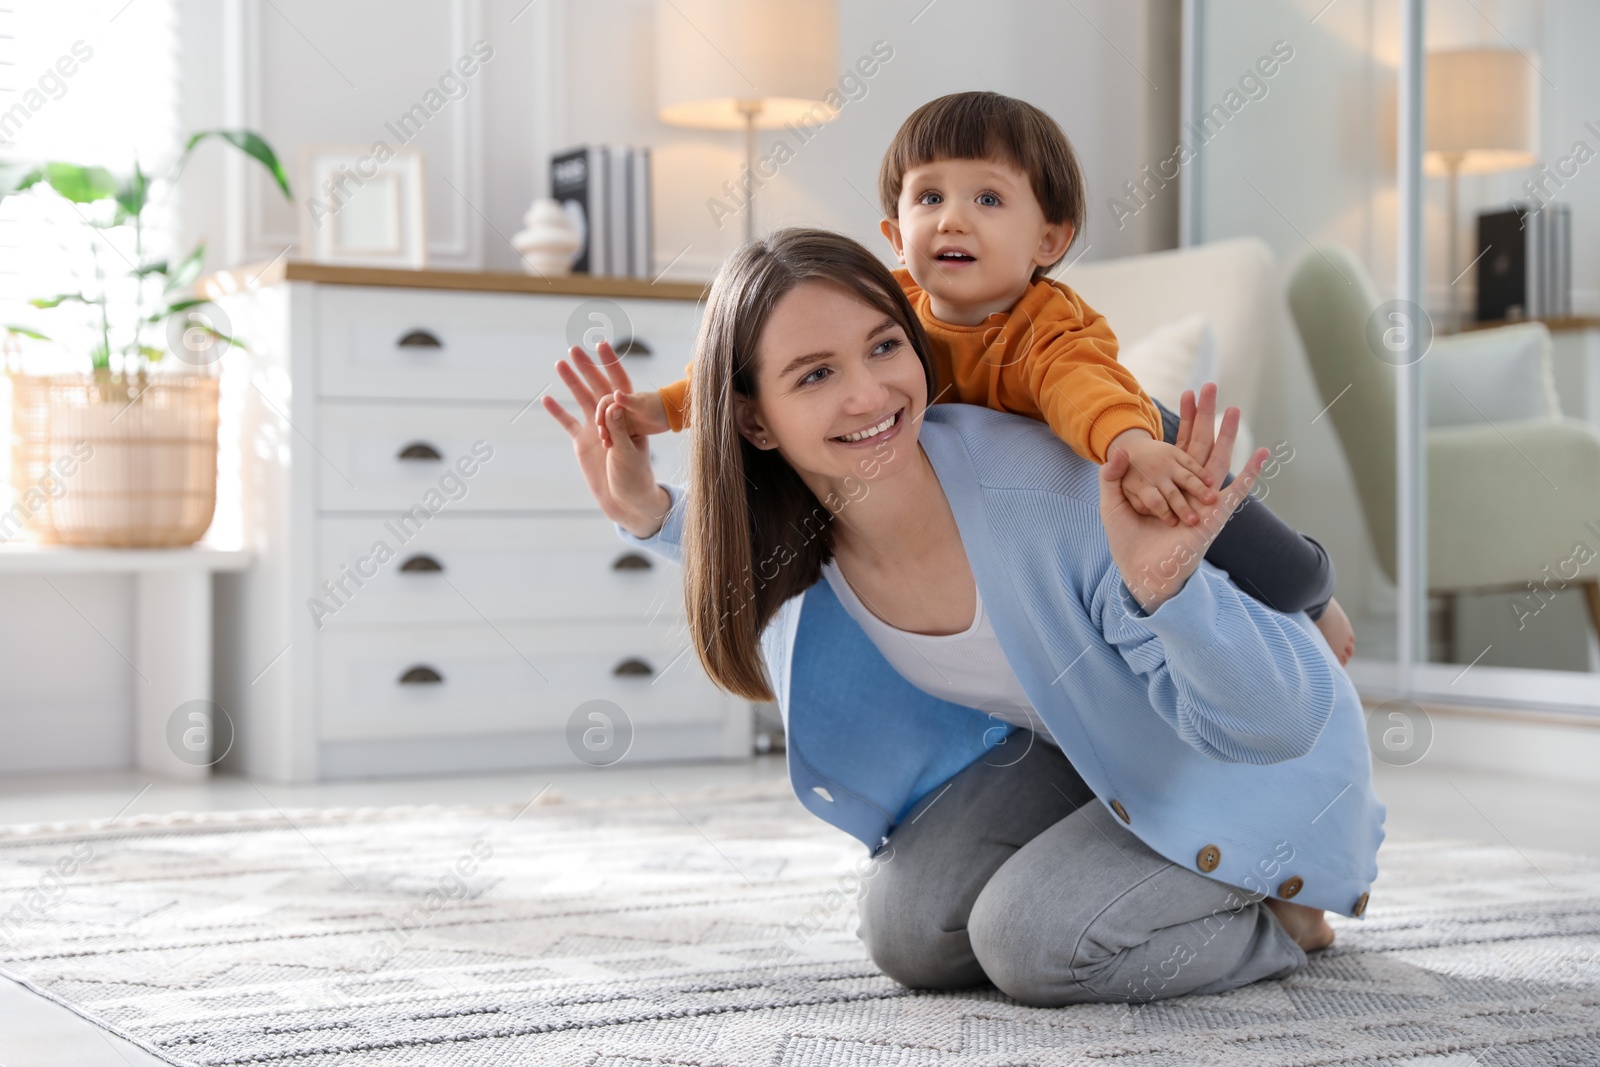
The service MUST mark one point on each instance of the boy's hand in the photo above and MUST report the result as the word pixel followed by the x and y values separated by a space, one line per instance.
pixel 1162 480
pixel 642 413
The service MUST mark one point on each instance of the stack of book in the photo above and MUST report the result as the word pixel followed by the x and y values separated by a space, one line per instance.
pixel 1525 263
pixel 606 191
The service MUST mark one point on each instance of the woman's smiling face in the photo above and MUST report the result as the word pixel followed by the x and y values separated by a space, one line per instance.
pixel 839 389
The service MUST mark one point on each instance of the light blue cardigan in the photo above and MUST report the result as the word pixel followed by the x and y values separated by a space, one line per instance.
pixel 1225 734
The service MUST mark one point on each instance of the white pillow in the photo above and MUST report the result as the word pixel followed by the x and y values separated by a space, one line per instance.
pixel 1179 355
pixel 1503 374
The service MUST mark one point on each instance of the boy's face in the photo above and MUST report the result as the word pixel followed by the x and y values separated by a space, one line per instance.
pixel 971 232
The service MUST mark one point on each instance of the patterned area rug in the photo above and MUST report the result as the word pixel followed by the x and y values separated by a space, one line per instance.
pixel 712 928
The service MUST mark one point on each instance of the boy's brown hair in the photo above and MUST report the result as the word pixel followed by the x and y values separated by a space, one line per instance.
pixel 985 125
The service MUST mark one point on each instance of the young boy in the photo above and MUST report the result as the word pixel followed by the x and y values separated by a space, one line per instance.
pixel 983 195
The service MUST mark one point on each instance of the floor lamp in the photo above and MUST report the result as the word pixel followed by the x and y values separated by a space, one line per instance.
pixel 746 64
pixel 1482 117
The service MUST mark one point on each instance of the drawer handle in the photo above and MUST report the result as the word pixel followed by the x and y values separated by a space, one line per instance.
pixel 419 339
pixel 631 561
pixel 420 450
pixel 633 668
pixel 632 346
pixel 418 564
pixel 421 675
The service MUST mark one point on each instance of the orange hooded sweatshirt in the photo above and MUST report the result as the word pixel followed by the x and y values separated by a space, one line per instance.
pixel 1051 357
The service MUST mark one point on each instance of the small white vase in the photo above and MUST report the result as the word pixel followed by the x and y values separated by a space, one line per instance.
pixel 548 240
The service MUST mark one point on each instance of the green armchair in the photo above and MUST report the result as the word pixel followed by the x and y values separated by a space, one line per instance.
pixel 1512 482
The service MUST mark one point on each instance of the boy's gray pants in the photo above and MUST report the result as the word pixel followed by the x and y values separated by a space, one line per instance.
pixel 1017 875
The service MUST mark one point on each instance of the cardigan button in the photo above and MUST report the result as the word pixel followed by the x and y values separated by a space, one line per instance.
pixel 1360 906
pixel 1208 859
pixel 1289 888
pixel 1122 812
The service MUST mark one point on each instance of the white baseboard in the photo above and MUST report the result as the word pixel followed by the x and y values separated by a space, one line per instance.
pixel 1534 744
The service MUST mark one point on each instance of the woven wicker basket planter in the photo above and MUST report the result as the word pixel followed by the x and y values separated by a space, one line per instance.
pixel 150 480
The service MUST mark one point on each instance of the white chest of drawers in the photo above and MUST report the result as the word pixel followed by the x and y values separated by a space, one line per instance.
pixel 436 591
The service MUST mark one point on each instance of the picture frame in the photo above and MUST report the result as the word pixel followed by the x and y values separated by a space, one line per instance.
pixel 364 206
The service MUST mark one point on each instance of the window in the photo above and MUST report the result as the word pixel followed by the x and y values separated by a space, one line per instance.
pixel 89 82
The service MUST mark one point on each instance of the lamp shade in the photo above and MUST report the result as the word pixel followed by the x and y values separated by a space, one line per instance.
pixel 1482 107
pixel 719 60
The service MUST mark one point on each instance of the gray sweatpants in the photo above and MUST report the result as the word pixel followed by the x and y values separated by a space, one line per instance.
pixel 1016 875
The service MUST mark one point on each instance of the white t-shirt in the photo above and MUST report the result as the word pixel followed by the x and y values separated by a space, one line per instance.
pixel 966 668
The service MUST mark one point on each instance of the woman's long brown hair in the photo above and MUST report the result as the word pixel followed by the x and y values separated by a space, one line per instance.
pixel 754 533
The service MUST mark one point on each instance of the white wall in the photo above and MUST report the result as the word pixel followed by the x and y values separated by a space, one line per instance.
pixel 1046 53
pixel 565 73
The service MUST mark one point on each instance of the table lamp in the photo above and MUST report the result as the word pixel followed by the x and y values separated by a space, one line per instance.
pixel 1482 117
pixel 746 64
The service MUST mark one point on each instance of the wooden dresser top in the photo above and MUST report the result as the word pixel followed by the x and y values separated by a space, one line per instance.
pixel 259 275
pixel 1555 325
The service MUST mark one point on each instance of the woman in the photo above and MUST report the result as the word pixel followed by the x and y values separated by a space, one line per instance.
pixel 1089 768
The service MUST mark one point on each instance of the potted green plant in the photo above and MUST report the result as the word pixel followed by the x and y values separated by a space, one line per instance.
pixel 125 453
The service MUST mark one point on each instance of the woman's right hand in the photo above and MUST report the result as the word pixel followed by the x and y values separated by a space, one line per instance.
pixel 618 474
pixel 1156 559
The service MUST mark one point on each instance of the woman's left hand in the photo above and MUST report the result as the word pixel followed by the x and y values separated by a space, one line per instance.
pixel 617 469
pixel 1156 559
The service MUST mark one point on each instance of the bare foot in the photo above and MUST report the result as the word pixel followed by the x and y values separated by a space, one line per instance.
pixel 1335 626
pixel 1307 926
